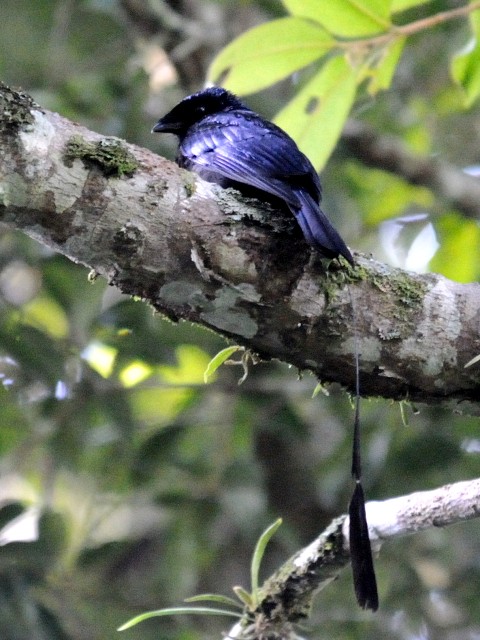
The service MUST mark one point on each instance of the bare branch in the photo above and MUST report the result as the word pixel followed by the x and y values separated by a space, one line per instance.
pixel 233 264
pixel 424 510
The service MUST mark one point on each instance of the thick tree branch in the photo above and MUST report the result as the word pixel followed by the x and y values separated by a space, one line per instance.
pixel 460 190
pixel 286 597
pixel 201 253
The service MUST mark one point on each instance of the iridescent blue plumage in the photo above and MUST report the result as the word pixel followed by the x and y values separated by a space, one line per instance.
pixel 225 142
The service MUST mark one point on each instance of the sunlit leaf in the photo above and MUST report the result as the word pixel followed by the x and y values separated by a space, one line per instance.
pixel 191 364
pixel 345 18
pixel 163 403
pixel 135 372
pixel 458 257
pixel 422 249
pixel 409 241
pixel 465 66
pixel 382 72
pixel 159 405
pixel 46 314
pixel 218 360
pixel 268 53
pixel 392 194
pixel 100 357
pixel 315 117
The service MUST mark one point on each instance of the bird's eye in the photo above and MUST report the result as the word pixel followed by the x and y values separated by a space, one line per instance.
pixel 202 109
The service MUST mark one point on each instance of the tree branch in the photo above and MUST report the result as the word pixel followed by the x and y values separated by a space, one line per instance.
pixel 212 256
pixel 286 597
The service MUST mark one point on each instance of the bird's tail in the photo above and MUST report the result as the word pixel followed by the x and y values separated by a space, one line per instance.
pixel 318 230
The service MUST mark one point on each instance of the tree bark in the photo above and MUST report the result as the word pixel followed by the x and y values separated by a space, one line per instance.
pixel 234 264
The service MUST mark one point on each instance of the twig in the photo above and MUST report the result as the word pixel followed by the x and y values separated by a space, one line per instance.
pixel 390 154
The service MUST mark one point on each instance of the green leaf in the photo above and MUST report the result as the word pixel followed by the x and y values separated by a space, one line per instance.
pixel 403 414
pixel 178 611
pixel 383 70
pixel 472 362
pixel 465 66
pixel 320 388
pixel 458 257
pixel 392 194
pixel 190 367
pixel 218 360
pixel 244 597
pixel 268 53
pixel 315 117
pixel 214 597
pixel 345 18
pixel 46 314
pixel 258 556
pixel 403 5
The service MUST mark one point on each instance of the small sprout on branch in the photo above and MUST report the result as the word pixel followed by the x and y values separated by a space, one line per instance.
pixel 248 600
pixel 222 358
pixel 472 361
pixel 92 276
pixel 320 388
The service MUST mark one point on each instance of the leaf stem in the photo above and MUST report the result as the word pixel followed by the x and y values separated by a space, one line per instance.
pixel 413 27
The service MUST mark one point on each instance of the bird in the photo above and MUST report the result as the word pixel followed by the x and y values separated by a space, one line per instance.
pixel 225 142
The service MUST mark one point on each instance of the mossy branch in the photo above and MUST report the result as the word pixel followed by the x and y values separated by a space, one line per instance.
pixel 197 252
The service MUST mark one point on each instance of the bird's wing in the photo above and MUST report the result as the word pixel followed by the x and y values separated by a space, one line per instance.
pixel 245 148
pixel 242 147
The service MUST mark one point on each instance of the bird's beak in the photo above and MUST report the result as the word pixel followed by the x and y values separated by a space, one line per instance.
pixel 165 127
pixel 158 128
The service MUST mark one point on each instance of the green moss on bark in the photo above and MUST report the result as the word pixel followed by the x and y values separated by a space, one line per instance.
pixel 108 154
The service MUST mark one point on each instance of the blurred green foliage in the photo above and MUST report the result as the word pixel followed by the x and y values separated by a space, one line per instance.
pixel 126 482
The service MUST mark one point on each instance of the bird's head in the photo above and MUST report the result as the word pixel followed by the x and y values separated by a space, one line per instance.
pixel 196 107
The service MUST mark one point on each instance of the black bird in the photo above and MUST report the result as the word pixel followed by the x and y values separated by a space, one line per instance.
pixel 225 142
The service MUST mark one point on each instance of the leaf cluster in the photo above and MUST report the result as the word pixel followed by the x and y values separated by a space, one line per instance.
pixel 348 47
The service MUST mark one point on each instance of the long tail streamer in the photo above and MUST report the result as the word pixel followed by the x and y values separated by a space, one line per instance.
pixel 364 580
